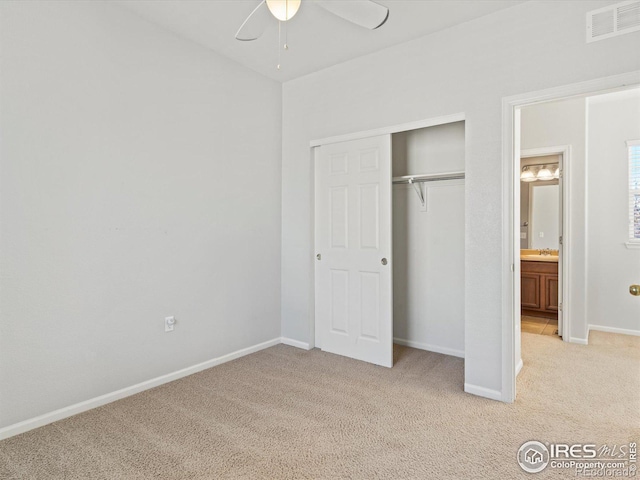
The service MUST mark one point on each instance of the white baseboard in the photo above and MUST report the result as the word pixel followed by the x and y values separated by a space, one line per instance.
pixel 429 347
pixel 483 392
pixel 623 331
pixel 71 410
pixel 579 341
pixel 519 367
pixel 295 343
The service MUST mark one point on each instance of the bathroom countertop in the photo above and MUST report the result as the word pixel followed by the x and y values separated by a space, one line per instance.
pixel 534 256
pixel 539 258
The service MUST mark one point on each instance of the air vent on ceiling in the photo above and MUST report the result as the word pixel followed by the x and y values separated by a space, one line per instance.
pixel 614 20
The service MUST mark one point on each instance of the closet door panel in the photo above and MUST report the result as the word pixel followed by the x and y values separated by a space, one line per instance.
pixel 369 306
pixel 369 203
pixel 339 302
pixel 339 206
pixel 353 292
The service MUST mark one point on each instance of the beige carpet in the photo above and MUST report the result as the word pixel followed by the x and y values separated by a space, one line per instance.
pixel 285 413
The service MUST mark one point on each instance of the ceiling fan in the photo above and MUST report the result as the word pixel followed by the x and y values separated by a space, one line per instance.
pixel 365 13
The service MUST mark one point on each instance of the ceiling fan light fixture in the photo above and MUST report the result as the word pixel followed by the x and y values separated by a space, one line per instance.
pixel 283 10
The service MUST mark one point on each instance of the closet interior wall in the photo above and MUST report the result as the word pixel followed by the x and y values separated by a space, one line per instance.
pixel 428 244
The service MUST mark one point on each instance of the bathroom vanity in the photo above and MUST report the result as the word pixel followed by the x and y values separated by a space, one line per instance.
pixel 539 284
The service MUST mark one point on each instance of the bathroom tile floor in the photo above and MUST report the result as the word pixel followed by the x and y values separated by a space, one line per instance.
pixel 539 325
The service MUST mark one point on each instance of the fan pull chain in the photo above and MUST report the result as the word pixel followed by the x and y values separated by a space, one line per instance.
pixel 279 39
pixel 286 15
pixel 286 43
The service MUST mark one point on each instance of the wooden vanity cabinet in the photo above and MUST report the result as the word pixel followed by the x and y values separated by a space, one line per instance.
pixel 539 289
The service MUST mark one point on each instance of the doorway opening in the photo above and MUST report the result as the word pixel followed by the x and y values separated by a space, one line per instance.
pixel 594 216
pixel 542 180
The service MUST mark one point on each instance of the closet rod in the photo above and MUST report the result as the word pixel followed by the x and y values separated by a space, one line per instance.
pixel 428 178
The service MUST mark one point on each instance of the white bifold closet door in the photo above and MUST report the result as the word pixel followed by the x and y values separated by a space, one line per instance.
pixel 353 288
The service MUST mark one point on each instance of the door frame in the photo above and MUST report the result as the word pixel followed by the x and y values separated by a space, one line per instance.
pixel 510 186
pixel 315 340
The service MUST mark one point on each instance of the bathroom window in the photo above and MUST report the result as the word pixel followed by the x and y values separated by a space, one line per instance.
pixel 634 192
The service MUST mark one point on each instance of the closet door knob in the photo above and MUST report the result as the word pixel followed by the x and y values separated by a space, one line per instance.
pixel 383 261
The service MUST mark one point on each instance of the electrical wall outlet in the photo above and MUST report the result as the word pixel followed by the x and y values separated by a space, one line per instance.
pixel 169 323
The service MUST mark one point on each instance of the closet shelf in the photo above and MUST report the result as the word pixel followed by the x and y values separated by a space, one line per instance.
pixel 416 179
pixel 433 177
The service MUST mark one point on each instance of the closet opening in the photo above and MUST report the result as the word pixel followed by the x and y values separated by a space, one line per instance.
pixel 390 242
pixel 428 238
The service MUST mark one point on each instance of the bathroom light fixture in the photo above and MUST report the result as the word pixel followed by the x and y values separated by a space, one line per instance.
pixel 544 174
pixel 527 175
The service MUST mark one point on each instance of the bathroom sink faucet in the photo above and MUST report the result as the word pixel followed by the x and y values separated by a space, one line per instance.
pixel 545 251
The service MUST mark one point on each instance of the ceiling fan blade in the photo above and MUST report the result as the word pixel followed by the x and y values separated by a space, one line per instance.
pixel 255 23
pixel 365 13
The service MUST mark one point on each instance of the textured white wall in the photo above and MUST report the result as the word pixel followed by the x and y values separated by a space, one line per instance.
pixel 140 178
pixel 468 68
pixel 611 267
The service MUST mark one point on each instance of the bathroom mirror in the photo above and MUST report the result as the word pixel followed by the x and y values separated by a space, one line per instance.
pixel 539 207
pixel 544 216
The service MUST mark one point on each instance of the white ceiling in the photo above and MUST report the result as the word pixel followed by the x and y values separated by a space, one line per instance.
pixel 317 39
